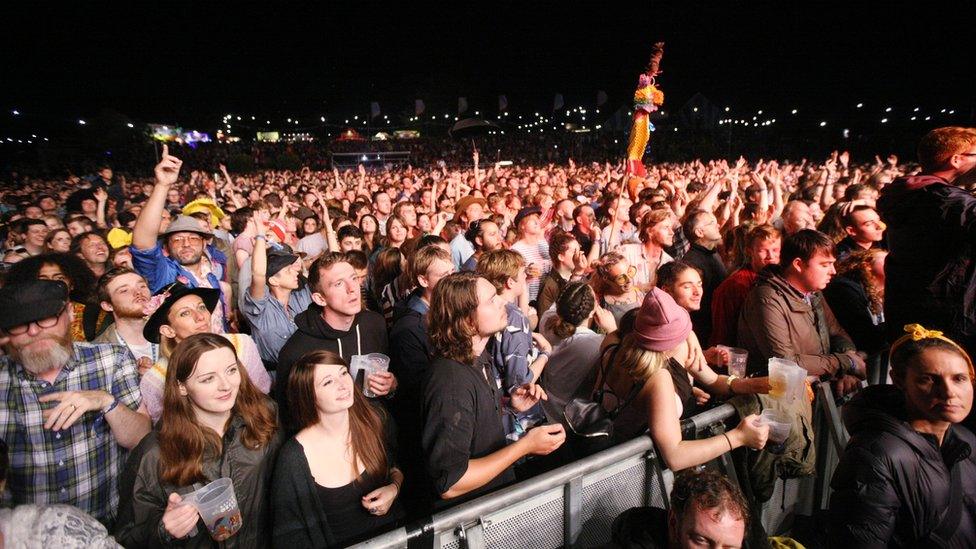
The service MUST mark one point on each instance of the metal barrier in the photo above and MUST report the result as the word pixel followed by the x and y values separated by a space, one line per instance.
pixel 575 505
pixel 572 506
pixel 370 159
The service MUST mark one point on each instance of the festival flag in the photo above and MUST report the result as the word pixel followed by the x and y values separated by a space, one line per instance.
pixel 557 102
pixel 374 110
pixel 601 98
pixel 502 103
pixel 462 104
pixel 418 107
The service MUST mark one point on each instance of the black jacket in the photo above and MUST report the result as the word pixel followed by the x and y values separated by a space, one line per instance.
pixel 713 272
pixel 930 272
pixel 891 487
pixel 409 347
pixel 366 335
pixel 850 304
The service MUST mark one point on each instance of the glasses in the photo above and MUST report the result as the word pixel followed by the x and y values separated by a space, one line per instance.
pixel 42 323
pixel 180 240
pixel 626 278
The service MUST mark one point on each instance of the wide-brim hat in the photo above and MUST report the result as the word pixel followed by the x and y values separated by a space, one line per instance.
pixel 207 206
pixel 32 300
pixel 186 224
pixel 160 304
pixel 464 202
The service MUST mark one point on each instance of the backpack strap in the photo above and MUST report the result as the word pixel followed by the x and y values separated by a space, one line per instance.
pixel 942 533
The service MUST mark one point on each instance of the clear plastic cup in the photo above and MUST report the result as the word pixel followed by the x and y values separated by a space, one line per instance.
pixel 786 379
pixel 738 359
pixel 376 362
pixel 217 505
pixel 780 424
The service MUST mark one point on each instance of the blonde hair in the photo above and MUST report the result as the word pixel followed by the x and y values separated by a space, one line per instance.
pixel 639 363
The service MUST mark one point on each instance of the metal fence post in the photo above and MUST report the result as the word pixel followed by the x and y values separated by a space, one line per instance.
pixel 572 509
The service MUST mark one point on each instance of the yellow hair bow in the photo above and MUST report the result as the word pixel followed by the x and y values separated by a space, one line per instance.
pixel 917 332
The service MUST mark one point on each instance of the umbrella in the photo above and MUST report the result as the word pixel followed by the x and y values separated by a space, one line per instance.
pixel 471 127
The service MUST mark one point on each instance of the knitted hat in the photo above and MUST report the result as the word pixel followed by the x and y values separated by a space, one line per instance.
pixel 661 324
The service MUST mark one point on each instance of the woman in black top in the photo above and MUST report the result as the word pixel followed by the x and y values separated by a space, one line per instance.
pixel 335 482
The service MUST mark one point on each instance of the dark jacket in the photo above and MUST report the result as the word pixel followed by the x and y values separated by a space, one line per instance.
pixel 776 321
pixel 930 272
pixel 891 487
pixel 713 272
pixel 849 302
pixel 366 335
pixel 409 347
pixel 144 496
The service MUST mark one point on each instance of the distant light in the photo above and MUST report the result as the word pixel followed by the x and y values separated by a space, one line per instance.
pixel 356 118
pixel 916 109
pixel 888 109
pixel 859 105
pixel 952 112
pixel 130 125
pixel 773 121
pixel 760 112
pixel 322 118
pixel 726 109
pixel 794 111
pixel 445 116
pixel 364 158
pixel 914 117
pixel 15 112
pixel 823 123
pixel 884 120
pixel 238 117
pixel 942 111
pixel 847 133
pixel 695 109
pixel 476 113
pixel 928 118
pixel 82 122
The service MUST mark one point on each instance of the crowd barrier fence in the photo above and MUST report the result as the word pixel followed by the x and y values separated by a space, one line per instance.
pixel 369 159
pixel 574 506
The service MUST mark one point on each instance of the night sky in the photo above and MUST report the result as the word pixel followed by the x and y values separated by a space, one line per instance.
pixel 190 63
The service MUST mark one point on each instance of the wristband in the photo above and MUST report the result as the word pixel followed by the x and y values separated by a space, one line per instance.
pixel 853 368
pixel 260 236
pixel 727 439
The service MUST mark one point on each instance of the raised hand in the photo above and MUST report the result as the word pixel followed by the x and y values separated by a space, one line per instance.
pixel 168 169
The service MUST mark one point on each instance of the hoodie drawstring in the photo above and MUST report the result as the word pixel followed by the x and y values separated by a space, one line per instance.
pixel 359 344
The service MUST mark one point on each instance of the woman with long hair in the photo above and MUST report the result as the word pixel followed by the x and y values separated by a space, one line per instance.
pixel 370 227
pixel 387 268
pixel 397 232
pixel 856 297
pixel 215 424
pixel 89 318
pixel 176 313
pixel 335 481
pixel 649 372
pixel 907 478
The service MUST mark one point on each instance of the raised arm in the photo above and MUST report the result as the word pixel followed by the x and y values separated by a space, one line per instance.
pixel 327 221
pixel 259 260
pixel 147 224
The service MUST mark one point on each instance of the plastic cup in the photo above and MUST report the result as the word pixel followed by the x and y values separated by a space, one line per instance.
pixel 218 508
pixel 376 362
pixel 785 379
pixel 780 424
pixel 737 361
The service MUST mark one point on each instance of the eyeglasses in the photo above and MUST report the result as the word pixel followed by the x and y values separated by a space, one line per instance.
pixel 626 278
pixel 180 240
pixel 42 323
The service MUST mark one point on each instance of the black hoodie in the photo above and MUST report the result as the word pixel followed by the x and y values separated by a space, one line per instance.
pixel 366 335
pixel 930 272
pixel 891 487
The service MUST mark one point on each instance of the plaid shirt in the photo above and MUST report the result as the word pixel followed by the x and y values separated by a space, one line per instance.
pixel 79 466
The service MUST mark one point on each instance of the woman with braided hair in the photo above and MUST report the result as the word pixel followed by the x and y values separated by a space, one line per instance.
pixel 571 371
pixel 907 478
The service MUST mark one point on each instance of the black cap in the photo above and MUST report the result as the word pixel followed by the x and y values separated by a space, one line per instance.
pixel 169 296
pixel 526 212
pixel 25 302
pixel 278 261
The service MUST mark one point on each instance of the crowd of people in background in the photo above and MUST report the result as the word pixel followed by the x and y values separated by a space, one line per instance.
pixel 162 333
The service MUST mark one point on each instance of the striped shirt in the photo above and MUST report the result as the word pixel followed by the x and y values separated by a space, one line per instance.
pixel 537 254
pixel 77 466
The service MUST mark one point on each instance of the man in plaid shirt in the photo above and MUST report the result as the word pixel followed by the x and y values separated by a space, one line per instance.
pixel 68 412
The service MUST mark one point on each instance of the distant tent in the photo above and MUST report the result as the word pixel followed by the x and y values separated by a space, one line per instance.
pixel 350 134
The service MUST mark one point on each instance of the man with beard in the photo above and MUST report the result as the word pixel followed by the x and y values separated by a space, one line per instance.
pixel 124 293
pixel 71 409
pixel 184 239
pixel 486 236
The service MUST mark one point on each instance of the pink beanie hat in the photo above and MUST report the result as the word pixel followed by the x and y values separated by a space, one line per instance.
pixel 661 324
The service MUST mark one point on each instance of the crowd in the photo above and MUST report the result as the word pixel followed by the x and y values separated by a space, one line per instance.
pixel 355 349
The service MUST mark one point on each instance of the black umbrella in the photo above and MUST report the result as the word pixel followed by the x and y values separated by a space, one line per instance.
pixel 471 127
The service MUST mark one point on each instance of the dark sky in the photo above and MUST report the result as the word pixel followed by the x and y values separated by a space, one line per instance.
pixel 191 62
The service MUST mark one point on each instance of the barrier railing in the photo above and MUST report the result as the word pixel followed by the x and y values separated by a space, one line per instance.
pixel 575 505
pixel 572 506
pixel 370 159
